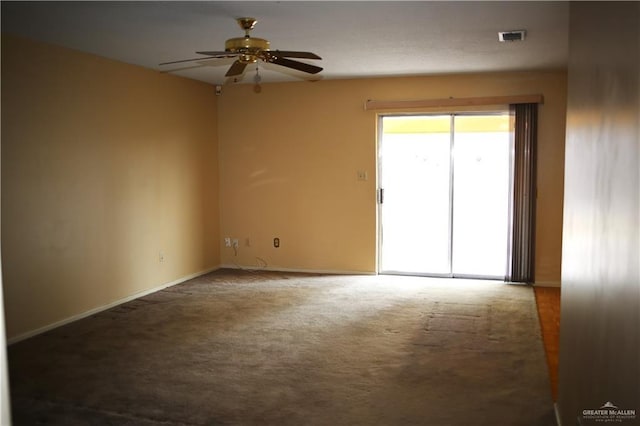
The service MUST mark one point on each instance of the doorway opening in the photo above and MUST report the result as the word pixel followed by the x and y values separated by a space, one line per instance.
pixel 445 185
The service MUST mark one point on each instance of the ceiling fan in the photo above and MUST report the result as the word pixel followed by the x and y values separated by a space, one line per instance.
pixel 248 50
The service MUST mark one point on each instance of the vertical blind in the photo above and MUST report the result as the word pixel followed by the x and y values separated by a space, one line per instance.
pixel 524 196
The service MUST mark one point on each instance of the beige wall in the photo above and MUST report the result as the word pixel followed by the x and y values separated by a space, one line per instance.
pixel 289 159
pixel 600 327
pixel 104 165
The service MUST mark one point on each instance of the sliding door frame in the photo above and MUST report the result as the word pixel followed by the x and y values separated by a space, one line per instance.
pixel 380 194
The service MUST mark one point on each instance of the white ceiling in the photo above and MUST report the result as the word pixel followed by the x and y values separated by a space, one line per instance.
pixel 355 39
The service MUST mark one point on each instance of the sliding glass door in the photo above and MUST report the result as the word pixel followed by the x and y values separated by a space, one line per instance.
pixel 416 185
pixel 445 190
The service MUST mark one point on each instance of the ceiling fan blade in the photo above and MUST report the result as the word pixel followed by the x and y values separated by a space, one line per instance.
pixel 218 54
pixel 294 54
pixel 187 60
pixel 182 68
pixel 237 68
pixel 300 66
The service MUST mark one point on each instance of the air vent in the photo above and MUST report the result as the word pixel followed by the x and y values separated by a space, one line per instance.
pixel 511 35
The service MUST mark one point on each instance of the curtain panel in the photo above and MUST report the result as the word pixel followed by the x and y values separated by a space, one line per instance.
pixel 521 268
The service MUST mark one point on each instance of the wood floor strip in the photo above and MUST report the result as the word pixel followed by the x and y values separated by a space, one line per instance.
pixel 548 303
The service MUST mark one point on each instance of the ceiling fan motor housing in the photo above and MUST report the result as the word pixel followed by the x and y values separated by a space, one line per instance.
pixel 249 47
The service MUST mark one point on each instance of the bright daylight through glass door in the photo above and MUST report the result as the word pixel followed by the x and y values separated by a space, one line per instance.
pixel 446 192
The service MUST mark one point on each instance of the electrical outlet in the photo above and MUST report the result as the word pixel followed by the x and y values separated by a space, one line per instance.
pixel 161 257
pixel 276 242
pixel 235 243
pixel 362 175
pixel 227 242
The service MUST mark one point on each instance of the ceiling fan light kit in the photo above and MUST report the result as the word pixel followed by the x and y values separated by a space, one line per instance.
pixel 250 50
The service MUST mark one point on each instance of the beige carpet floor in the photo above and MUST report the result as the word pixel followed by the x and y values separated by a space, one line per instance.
pixel 260 348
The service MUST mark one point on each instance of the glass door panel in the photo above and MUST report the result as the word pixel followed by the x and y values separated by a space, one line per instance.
pixel 415 216
pixel 481 196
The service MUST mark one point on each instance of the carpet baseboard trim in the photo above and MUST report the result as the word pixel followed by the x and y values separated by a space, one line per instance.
pixel 300 270
pixel 547 284
pixel 40 330
pixel 556 410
